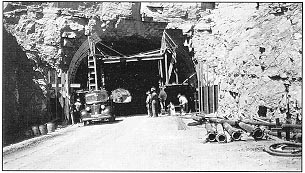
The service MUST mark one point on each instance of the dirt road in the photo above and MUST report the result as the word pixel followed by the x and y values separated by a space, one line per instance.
pixel 145 144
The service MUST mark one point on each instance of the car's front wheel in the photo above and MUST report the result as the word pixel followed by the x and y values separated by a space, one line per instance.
pixel 112 119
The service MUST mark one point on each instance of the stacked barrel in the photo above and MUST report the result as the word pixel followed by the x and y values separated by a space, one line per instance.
pixel 38 130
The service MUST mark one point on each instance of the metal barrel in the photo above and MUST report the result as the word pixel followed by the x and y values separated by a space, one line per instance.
pixel 35 130
pixel 235 133
pixel 50 127
pixel 43 129
pixel 211 132
pixel 255 132
pixel 220 137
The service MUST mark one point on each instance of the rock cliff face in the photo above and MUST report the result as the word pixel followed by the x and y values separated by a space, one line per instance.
pixel 250 49
pixel 24 102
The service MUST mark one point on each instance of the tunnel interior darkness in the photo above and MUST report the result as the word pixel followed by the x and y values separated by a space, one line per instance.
pixel 137 77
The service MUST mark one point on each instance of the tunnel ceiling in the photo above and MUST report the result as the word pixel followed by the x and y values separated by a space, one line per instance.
pixel 128 45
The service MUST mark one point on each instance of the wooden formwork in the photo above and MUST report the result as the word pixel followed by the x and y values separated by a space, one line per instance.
pixel 207 91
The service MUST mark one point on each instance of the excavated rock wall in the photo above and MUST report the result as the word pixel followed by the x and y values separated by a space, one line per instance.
pixel 24 103
pixel 47 34
pixel 252 51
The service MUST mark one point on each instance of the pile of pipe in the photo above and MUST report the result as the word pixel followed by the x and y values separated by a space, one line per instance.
pixel 228 131
pixel 224 130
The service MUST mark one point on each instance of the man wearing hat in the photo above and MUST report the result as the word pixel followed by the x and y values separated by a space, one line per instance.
pixel 77 105
pixel 154 102
pixel 183 103
pixel 162 97
pixel 148 104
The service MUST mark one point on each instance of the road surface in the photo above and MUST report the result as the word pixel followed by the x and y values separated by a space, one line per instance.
pixel 138 143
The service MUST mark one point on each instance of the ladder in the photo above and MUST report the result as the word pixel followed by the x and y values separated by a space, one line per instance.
pixel 92 72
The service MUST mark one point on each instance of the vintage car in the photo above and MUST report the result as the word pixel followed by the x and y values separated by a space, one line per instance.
pixel 98 107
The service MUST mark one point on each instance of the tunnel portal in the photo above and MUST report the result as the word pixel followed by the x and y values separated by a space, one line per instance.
pixel 137 76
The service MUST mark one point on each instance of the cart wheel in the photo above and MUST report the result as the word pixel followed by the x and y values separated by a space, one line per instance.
pixel 112 119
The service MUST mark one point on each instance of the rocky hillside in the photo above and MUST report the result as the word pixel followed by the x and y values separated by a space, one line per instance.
pixel 253 49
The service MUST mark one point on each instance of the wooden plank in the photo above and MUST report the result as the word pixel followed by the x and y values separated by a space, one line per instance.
pixel 161 71
pixel 205 100
pixel 197 105
pixel 211 98
pixel 56 85
pixel 109 61
pixel 73 85
pixel 166 68
pixel 216 89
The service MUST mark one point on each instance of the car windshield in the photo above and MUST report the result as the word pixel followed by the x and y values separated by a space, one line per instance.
pixel 96 97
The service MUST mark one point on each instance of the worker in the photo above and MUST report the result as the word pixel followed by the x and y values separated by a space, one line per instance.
pixel 148 104
pixel 171 109
pixel 77 110
pixel 154 102
pixel 162 97
pixel 183 103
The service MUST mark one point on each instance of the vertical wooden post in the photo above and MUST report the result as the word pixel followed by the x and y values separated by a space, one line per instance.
pixel 211 98
pixel 279 134
pixel 176 75
pixel 63 95
pixel 166 68
pixel 207 88
pixel 203 92
pixel 49 86
pixel 67 98
pixel 216 89
pixel 56 95
pixel 161 72
pixel 200 87
pixel 197 105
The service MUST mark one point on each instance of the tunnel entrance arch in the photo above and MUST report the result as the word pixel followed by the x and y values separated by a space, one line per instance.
pixel 134 72
pixel 161 62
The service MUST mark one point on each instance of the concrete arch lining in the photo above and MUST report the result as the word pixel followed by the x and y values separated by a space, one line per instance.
pixel 80 54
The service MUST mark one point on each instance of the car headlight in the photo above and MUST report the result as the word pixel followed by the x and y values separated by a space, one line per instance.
pixel 103 107
pixel 83 113
pixel 87 109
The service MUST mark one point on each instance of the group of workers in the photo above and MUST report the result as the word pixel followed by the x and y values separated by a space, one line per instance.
pixel 155 104
pixel 156 101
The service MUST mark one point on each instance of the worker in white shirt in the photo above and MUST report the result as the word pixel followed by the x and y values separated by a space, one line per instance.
pixel 148 104
pixel 183 103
